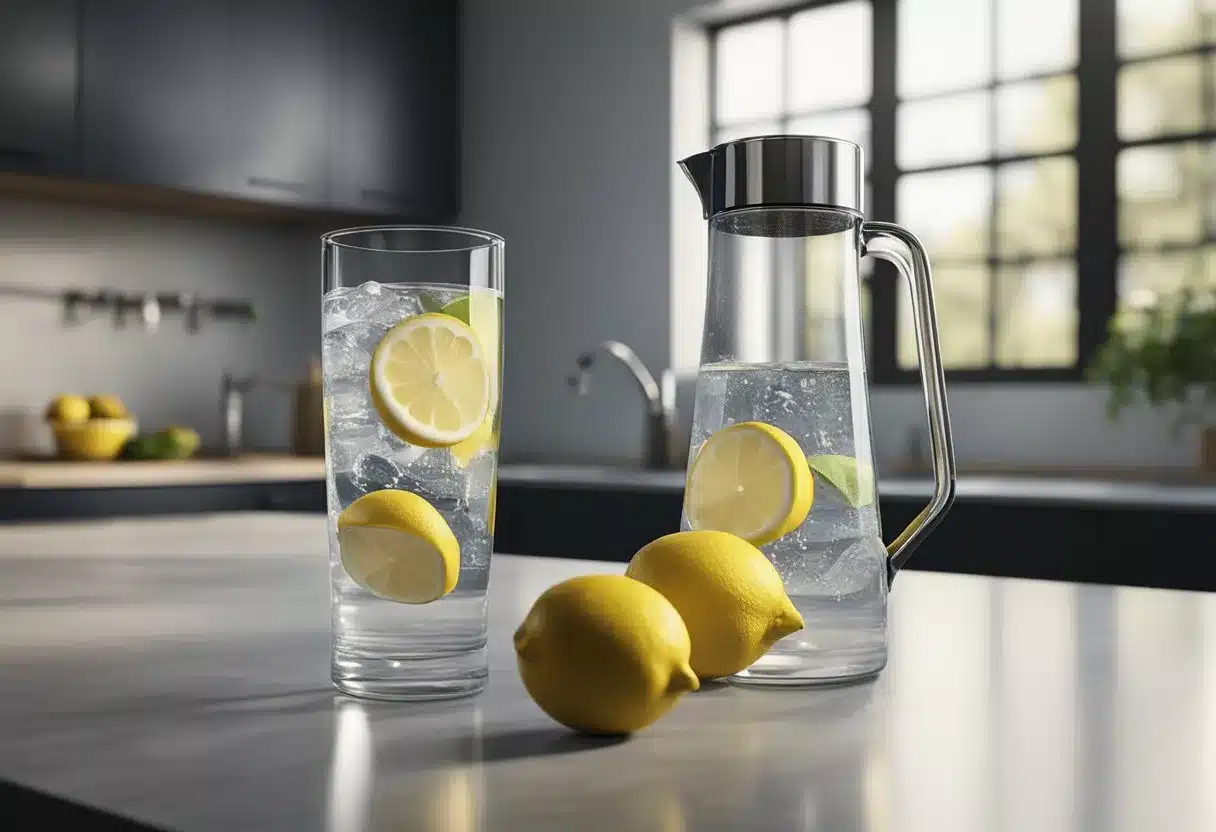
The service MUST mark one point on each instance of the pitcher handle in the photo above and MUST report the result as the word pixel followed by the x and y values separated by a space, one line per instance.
pixel 899 246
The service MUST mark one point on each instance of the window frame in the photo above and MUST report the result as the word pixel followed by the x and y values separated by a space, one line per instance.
pixel 1097 248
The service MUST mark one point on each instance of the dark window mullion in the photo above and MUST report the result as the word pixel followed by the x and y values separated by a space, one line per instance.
pixel 993 211
pixel 1097 198
pixel 1202 49
pixel 883 117
pixel 990 161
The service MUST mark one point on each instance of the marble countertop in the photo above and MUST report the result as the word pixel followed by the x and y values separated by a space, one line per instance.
pixel 175 671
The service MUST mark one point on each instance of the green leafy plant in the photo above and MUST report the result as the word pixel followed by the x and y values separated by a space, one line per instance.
pixel 1165 353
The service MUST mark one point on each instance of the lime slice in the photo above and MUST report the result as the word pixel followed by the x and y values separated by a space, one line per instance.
pixel 429 381
pixel 397 546
pixel 854 481
pixel 752 480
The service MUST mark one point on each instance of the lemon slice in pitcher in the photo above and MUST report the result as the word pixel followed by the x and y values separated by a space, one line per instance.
pixel 429 380
pixel 752 480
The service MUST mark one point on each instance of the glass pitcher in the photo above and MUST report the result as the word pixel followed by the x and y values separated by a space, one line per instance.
pixel 783 345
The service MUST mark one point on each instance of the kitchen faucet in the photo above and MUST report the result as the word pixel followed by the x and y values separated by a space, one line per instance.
pixel 660 397
pixel 232 406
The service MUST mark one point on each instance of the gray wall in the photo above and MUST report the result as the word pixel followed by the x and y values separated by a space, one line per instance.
pixel 169 377
pixel 567 153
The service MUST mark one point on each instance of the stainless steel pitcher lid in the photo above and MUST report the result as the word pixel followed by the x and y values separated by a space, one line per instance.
pixel 778 171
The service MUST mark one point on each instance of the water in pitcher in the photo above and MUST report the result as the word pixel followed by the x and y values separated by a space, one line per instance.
pixel 834 564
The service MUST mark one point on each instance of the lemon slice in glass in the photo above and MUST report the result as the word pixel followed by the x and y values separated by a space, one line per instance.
pixel 430 381
pixel 396 545
pixel 752 480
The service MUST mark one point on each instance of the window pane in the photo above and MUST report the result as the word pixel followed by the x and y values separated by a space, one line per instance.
pixel 743 131
pixel 830 63
pixel 960 294
pixel 1147 278
pixel 941 130
pixel 949 210
pixel 1036 324
pixel 1036 36
pixel 943 45
pixel 1037 116
pixel 1037 207
pixel 1162 97
pixel 1162 189
pixel 853 125
pixel 748 73
pixel 1150 26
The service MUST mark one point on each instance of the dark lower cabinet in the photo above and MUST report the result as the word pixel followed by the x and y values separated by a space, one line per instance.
pixel 154 77
pixel 38 52
pixel 396 119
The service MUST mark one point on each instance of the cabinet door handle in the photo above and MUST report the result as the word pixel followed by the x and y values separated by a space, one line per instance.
pixel 277 184
pixel 21 155
pixel 380 194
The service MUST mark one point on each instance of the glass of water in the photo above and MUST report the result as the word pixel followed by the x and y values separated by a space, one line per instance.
pixel 374 279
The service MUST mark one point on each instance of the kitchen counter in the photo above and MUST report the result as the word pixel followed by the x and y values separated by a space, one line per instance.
pixel 256 468
pixel 174 671
pixel 247 468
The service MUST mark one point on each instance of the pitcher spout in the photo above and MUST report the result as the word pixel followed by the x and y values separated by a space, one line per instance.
pixel 699 170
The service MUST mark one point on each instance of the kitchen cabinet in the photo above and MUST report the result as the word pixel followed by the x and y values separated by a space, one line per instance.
pixel 396 113
pixel 153 104
pixel 277 145
pixel 38 55
pixel 348 106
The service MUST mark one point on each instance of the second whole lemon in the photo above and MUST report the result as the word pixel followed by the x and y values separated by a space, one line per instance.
pixel 728 593
pixel 107 406
pixel 604 654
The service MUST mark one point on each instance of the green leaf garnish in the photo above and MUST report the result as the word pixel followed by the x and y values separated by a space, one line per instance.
pixel 854 482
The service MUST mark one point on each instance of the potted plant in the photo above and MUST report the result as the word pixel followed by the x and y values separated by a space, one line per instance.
pixel 1167 354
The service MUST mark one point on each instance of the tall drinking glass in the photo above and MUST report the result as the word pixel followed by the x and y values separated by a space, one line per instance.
pixel 374 280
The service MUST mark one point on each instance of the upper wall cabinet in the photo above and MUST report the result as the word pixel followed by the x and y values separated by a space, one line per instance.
pixel 153 93
pixel 279 100
pixel 38 49
pixel 396 121
pixel 351 105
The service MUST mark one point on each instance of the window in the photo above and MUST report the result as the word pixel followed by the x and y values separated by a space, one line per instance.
pixel 1166 166
pixel 1057 158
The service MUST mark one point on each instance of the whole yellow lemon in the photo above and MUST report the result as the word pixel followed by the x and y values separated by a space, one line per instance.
pixel 604 654
pixel 68 410
pixel 729 594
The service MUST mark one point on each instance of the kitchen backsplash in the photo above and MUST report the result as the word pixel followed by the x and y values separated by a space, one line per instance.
pixel 170 376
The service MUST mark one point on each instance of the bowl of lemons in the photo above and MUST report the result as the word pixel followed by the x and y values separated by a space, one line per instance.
pixel 94 428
